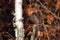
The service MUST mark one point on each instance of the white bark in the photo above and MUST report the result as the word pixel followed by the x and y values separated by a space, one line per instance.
pixel 19 31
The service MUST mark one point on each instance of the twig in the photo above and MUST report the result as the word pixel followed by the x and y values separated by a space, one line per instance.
pixel 10 35
pixel 45 28
pixel 48 10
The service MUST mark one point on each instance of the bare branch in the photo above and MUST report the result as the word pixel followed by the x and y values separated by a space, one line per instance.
pixel 48 10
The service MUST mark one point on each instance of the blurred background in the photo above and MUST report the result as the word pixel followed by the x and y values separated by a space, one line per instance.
pixel 41 19
pixel 6 18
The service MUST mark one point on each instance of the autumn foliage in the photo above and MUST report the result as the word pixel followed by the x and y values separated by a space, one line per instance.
pixel 47 12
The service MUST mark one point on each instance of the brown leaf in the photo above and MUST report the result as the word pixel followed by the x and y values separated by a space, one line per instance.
pixel 58 5
pixel 50 19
